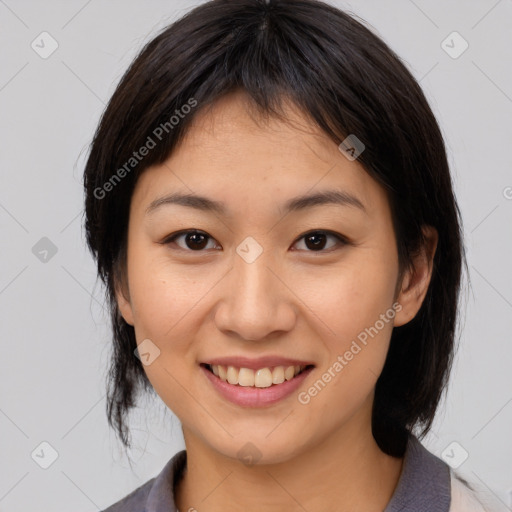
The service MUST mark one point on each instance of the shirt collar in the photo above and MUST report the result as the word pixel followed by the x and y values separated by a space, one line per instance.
pixel 161 496
pixel 424 483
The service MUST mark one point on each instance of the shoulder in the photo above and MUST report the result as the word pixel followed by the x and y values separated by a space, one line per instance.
pixel 157 492
pixel 470 497
pixel 429 483
pixel 135 501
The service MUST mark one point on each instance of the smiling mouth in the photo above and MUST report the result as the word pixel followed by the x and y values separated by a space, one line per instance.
pixel 260 378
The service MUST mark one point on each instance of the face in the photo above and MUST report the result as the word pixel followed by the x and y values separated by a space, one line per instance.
pixel 260 285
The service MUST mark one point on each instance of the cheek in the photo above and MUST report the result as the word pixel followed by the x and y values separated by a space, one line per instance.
pixel 163 296
pixel 352 297
pixel 165 301
pixel 355 303
pixel 168 303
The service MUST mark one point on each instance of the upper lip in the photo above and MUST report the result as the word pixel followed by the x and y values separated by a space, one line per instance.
pixel 257 363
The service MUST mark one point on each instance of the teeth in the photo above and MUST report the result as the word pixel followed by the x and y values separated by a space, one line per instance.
pixel 246 377
pixel 278 375
pixel 262 378
pixel 289 372
pixel 232 375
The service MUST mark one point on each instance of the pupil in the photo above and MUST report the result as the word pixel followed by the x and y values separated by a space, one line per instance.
pixel 193 237
pixel 316 244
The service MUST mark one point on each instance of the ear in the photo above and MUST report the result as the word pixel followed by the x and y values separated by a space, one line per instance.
pixel 416 280
pixel 123 299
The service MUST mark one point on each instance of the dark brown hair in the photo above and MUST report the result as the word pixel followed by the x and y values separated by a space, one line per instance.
pixel 348 81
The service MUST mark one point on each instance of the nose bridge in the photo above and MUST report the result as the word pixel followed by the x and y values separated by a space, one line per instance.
pixel 255 302
pixel 254 288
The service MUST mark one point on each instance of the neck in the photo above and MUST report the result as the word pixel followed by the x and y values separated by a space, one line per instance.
pixel 346 472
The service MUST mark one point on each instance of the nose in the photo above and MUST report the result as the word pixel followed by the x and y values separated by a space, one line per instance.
pixel 256 301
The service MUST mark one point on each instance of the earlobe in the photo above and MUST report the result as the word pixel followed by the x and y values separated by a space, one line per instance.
pixel 416 280
pixel 124 305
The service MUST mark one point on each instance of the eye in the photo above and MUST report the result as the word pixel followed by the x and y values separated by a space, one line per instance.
pixel 316 240
pixel 196 240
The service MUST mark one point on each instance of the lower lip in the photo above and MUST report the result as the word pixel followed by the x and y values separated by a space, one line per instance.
pixel 252 396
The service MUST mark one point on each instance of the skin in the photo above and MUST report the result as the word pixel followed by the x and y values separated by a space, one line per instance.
pixel 292 301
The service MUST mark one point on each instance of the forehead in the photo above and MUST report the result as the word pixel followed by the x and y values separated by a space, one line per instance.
pixel 230 151
pixel 234 125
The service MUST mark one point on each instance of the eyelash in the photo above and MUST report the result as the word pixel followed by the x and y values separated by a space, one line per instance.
pixel 341 239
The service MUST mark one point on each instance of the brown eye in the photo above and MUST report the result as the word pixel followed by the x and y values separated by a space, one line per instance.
pixel 315 241
pixel 194 240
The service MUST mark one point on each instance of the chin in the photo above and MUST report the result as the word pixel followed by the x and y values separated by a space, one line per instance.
pixel 257 450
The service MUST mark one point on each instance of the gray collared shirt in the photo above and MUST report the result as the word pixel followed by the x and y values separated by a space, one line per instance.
pixel 423 486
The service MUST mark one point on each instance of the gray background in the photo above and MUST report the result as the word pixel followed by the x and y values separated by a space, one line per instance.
pixel 54 331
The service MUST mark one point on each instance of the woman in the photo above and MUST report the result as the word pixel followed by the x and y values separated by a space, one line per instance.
pixel 270 205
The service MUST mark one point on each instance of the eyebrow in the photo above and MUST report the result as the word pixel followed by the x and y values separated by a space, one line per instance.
pixel 298 203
